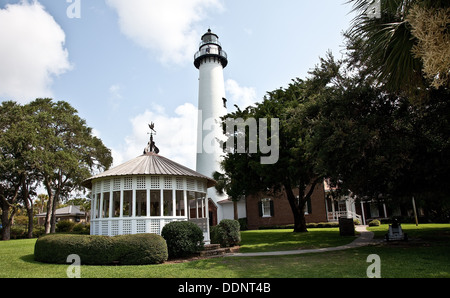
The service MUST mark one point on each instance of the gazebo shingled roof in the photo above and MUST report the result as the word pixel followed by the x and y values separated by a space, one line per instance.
pixel 149 164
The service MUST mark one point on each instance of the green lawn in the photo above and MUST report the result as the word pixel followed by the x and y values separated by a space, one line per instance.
pixel 426 255
pixel 278 240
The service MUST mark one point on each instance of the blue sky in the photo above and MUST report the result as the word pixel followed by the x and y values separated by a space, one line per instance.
pixel 125 63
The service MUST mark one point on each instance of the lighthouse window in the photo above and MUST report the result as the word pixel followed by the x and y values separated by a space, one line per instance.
pixel 224 102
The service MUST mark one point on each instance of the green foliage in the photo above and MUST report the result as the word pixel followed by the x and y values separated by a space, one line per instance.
pixel 142 249
pixel 65 226
pixel 93 250
pixel 227 233
pixel 427 259
pixel 82 228
pixel 243 224
pixel 374 223
pixel 319 225
pixel 245 174
pixel 44 142
pixel 183 238
pixel 385 46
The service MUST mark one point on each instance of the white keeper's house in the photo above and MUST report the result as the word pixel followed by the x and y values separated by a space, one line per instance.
pixel 146 193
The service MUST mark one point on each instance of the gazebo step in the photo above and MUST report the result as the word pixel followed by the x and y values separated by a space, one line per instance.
pixel 212 247
pixel 215 250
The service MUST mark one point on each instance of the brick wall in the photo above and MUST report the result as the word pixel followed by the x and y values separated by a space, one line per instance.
pixel 282 211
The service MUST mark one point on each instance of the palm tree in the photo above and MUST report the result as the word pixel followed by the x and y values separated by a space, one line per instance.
pixel 386 43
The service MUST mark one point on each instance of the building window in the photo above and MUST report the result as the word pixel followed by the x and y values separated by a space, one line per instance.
pixel 127 203
pixel 308 205
pixel 141 203
pixel 105 205
pixel 266 208
pixel 116 204
pixel 224 102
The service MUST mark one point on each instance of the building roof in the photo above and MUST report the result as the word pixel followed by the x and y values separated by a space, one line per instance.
pixel 149 164
pixel 66 211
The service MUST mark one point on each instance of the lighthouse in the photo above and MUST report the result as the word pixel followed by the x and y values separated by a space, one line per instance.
pixel 211 60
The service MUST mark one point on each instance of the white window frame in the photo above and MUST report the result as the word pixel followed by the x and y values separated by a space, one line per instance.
pixel 266 208
pixel 306 205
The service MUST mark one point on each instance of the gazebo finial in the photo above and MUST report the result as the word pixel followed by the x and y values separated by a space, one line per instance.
pixel 151 146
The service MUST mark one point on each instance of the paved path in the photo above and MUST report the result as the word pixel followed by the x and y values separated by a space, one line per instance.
pixel 365 238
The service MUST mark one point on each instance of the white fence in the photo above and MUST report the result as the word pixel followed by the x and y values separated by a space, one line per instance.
pixel 334 216
pixel 127 226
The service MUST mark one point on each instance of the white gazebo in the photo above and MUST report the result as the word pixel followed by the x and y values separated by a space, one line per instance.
pixel 146 193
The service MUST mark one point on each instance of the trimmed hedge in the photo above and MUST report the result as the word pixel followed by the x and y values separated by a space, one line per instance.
pixel 141 249
pixel 183 238
pixel 227 233
pixel 374 223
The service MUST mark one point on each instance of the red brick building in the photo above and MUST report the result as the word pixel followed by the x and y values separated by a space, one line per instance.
pixel 268 210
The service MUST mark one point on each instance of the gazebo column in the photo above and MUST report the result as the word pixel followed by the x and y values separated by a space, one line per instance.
pixel 134 203
pixel 121 213
pixel 148 202
pixel 100 214
pixel 161 201
pixel 203 207
pixel 121 204
pixel 111 205
pixel 186 209
pixel 196 206
pixel 174 196
pixel 93 207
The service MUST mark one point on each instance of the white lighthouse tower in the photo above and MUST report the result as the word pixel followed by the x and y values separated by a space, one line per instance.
pixel 211 60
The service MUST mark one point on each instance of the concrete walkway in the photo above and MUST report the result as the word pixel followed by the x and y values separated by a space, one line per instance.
pixel 365 238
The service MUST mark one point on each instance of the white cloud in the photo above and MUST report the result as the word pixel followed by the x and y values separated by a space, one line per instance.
pixel 115 96
pixel 32 51
pixel 176 136
pixel 167 27
pixel 240 96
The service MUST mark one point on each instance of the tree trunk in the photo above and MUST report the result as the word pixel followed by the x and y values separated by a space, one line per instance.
pixel 298 205
pixel 298 209
pixel 29 206
pixel 235 209
pixel 6 228
pixel 48 216
pixel 6 205
pixel 7 219
pixel 53 218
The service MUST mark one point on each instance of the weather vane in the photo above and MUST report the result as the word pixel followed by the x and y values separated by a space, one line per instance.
pixel 151 146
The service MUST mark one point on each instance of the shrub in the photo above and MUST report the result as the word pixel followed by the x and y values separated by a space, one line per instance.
pixel 183 238
pixel 374 223
pixel 81 228
pixel 215 234
pixel 65 226
pixel 18 232
pixel 143 249
pixel 243 224
pixel 227 233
